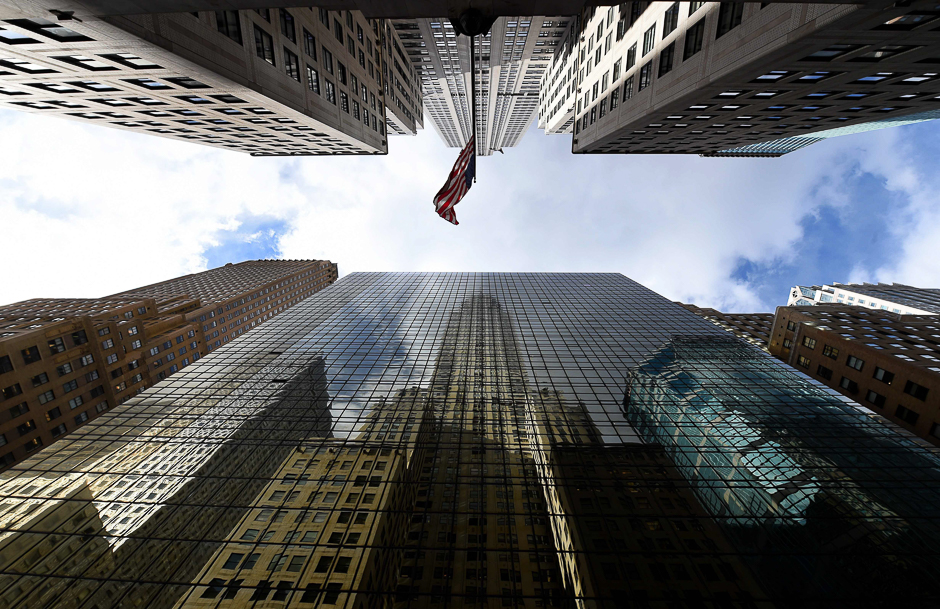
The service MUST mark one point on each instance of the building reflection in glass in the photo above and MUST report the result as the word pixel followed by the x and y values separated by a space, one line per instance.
pixel 807 487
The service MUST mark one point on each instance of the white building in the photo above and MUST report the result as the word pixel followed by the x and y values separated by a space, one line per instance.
pixel 896 298
pixel 511 60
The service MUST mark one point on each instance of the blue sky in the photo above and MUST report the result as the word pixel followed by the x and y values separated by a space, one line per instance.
pixel 95 211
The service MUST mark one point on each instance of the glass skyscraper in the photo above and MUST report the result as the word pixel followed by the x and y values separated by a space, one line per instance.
pixel 477 440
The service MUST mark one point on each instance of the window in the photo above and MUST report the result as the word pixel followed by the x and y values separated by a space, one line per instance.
pixel 338 31
pixel 694 6
pixel 830 352
pixel 918 391
pixel 87 360
pixel 824 372
pixel 70 386
pixel 287 26
pixel 854 362
pixel 645 76
pixel 27 427
pixel 264 45
pixel 729 17
pixel 831 52
pixel 809 343
pixel 310 45
pixel 341 72
pixel 33 444
pixel 803 361
pixel 631 57
pixel 30 355
pixel 228 24
pixel 292 64
pixel 296 564
pixel 907 415
pixel 107 344
pixel 45 398
pixel 330 91
pixel 76 402
pixel 848 384
pixel 649 40
pixel 58 430
pixel 233 559
pixel 884 376
pixel 875 398
pixel 40 379
pixel 671 19
pixel 6 365
pixel 19 409
pixel 666 57
pixel 344 101
pixel 628 88
pixel 265 13
pixel 81 418
pixel 313 80
pixel 694 36
pixel 79 338
pixel 12 391
pixel 327 62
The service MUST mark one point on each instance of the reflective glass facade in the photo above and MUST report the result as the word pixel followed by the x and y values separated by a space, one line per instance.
pixel 475 440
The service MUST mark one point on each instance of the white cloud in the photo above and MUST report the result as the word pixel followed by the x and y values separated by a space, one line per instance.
pixel 89 211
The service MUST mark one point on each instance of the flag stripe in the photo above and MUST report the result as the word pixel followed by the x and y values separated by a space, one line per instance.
pixel 457 184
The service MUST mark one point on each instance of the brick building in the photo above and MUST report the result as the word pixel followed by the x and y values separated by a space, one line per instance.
pixel 887 362
pixel 755 328
pixel 65 361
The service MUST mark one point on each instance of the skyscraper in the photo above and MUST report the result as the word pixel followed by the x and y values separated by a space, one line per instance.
pixel 510 61
pixel 425 440
pixel 730 79
pixel 63 362
pixel 739 79
pixel 894 297
pixel 266 82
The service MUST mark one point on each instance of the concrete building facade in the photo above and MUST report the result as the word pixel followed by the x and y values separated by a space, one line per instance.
pixel 722 78
pixel 65 362
pixel 266 82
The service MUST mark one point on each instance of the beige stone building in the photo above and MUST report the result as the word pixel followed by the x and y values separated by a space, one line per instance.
pixel 63 362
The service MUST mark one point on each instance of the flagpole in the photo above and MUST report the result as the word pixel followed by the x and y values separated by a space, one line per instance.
pixel 473 95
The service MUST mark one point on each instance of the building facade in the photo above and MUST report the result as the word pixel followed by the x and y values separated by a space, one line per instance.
pixel 894 298
pixel 511 60
pixel 755 328
pixel 280 81
pixel 739 79
pixel 887 362
pixel 476 440
pixel 64 362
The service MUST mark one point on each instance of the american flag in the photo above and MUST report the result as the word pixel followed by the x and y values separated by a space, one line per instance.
pixel 458 183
